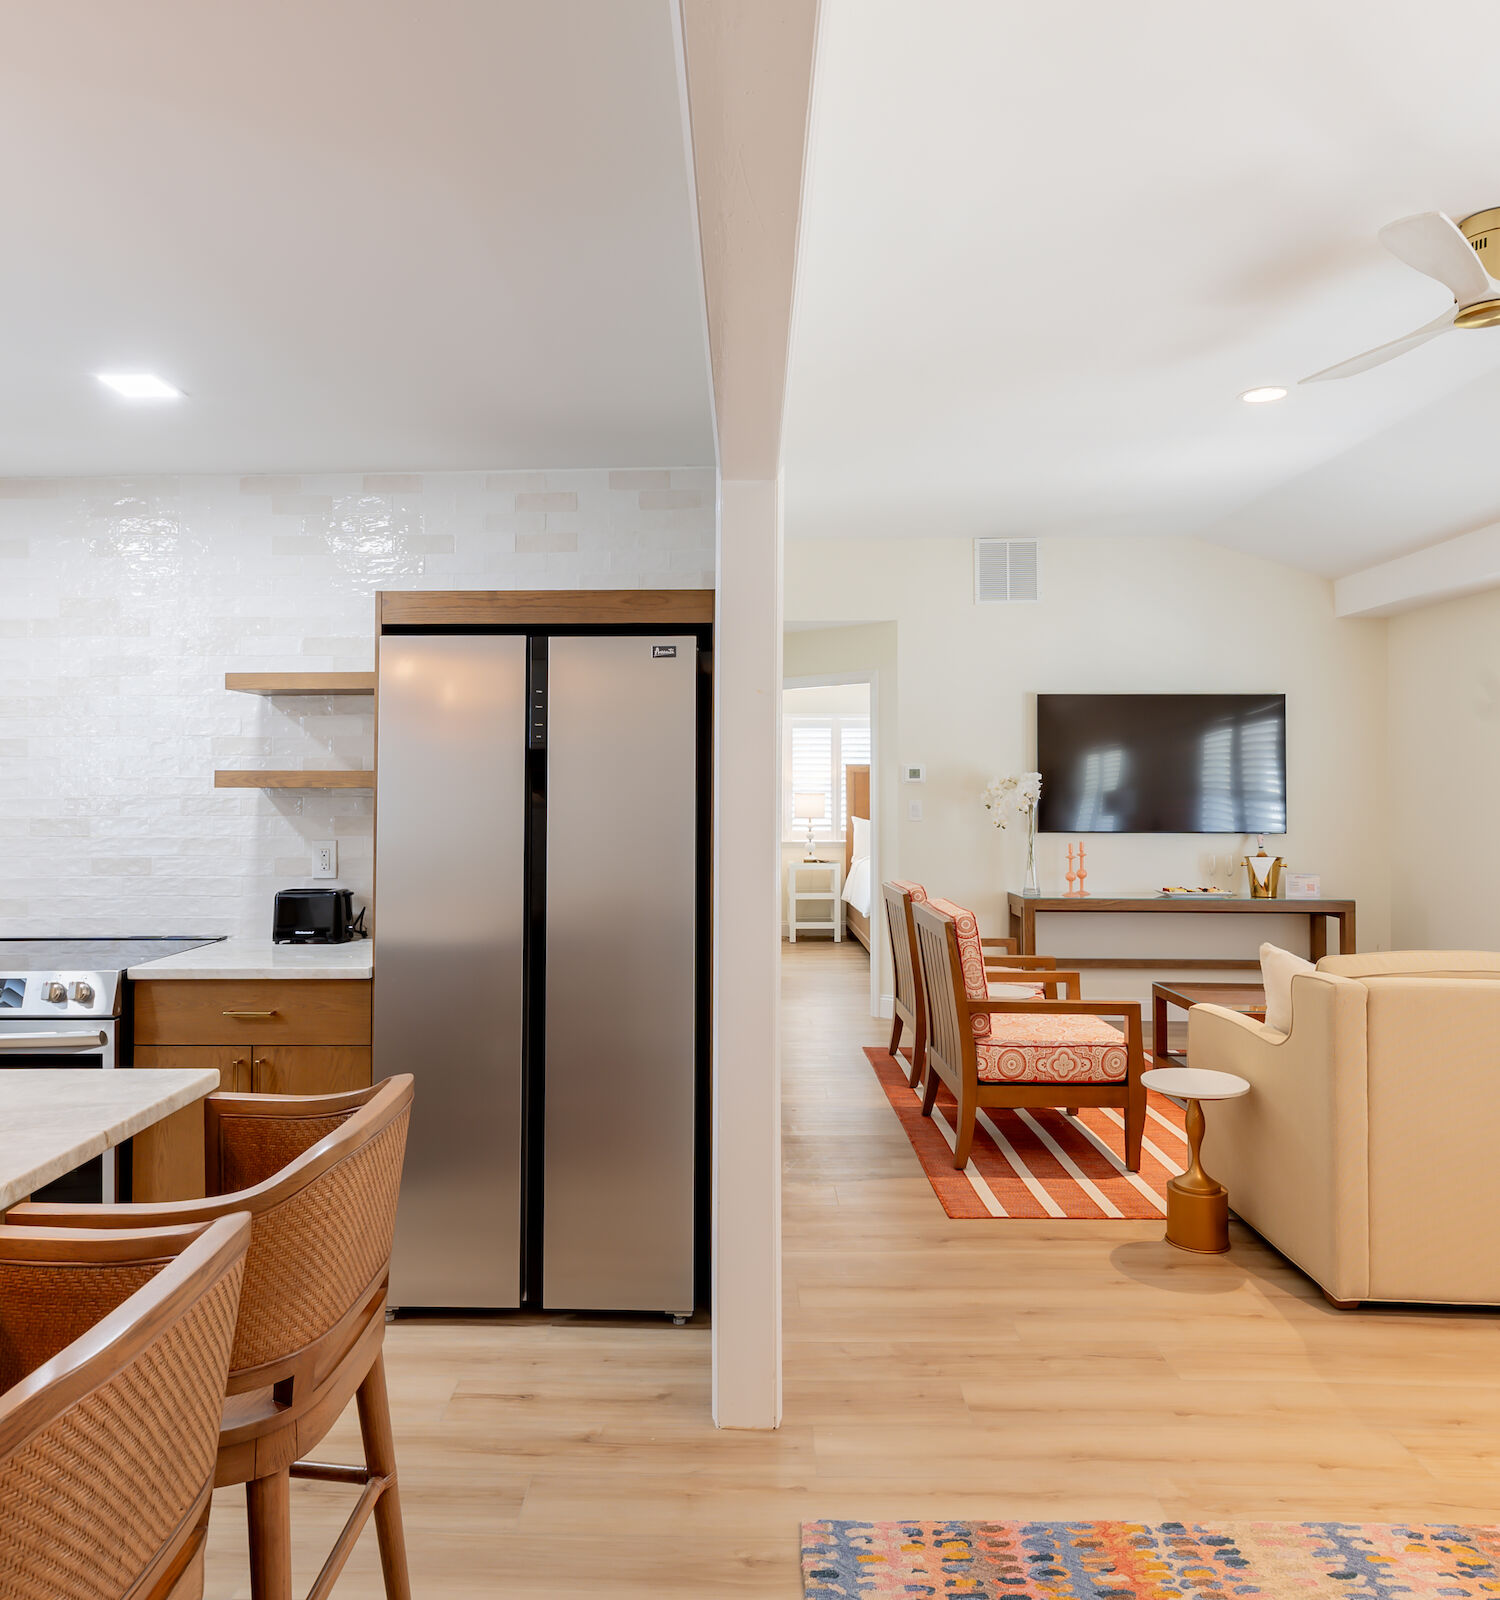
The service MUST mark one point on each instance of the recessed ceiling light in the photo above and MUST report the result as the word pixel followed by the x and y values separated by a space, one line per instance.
pixel 139 386
pixel 1258 397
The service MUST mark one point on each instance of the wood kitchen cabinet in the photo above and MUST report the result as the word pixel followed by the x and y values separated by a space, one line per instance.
pixel 299 1036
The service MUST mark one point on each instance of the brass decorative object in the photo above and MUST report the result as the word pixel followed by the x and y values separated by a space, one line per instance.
pixel 1264 873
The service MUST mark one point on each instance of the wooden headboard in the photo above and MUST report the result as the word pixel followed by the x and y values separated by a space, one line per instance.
pixel 857 787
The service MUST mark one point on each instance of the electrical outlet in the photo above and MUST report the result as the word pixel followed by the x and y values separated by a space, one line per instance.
pixel 914 810
pixel 325 858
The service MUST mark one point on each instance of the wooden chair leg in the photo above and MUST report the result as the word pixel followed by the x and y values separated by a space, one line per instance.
pixel 929 1094
pixel 1071 1111
pixel 895 1035
pixel 1135 1123
pixel 269 1503
pixel 963 1131
pixel 918 1061
pixel 380 1456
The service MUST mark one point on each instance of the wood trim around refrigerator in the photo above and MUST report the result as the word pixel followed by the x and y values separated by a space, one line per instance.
pixel 543 608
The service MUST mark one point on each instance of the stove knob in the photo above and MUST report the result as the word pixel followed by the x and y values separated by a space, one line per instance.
pixel 83 993
pixel 55 992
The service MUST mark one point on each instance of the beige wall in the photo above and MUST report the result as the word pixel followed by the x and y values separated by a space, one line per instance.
pixel 1147 615
pixel 1444 664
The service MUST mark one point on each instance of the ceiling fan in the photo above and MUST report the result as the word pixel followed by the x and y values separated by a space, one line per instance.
pixel 1458 255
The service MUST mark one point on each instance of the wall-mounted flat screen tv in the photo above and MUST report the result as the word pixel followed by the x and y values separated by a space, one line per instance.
pixel 1161 763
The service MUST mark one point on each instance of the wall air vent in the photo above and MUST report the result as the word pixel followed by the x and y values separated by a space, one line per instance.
pixel 1004 569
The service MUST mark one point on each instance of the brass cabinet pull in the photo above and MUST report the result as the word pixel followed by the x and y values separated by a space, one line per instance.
pixel 250 1015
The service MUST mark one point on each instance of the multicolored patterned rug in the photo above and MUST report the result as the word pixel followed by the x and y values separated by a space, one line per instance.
pixel 1138 1561
pixel 1039 1163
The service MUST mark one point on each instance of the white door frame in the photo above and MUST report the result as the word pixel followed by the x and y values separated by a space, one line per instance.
pixel 833 680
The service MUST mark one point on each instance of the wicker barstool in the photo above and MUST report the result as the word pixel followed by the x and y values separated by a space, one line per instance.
pixel 114 1349
pixel 319 1175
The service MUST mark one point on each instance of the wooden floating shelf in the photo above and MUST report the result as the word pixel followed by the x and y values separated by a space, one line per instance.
pixel 301 682
pixel 295 779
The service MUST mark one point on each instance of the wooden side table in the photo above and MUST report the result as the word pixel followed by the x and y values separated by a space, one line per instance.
pixel 794 897
pixel 1197 1205
pixel 1249 998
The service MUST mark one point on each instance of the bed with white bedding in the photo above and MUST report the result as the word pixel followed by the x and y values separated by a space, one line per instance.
pixel 859 884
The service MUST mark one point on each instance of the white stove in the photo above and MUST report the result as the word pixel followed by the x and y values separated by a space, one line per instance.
pixel 62 1003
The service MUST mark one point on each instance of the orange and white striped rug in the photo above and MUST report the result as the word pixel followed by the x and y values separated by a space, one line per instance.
pixel 1039 1164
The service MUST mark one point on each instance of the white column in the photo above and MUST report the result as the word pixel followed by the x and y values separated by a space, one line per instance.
pixel 747 958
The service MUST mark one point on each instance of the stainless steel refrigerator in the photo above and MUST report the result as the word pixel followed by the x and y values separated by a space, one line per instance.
pixel 539 964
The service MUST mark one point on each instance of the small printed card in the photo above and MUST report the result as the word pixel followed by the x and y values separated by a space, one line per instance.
pixel 1303 886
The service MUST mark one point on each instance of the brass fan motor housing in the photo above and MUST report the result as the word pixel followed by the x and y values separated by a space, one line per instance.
pixel 1482 230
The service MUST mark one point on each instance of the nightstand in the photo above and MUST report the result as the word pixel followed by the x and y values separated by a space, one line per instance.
pixel 834 873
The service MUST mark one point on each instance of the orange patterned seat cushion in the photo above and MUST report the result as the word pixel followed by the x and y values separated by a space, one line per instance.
pixel 971 958
pixel 1032 1047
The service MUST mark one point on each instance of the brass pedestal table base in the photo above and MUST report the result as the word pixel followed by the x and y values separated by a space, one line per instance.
pixel 1197 1205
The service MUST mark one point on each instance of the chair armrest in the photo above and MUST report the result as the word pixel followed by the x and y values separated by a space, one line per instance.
pixel 1071 1007
pixel 1014 962
pixel 1048 979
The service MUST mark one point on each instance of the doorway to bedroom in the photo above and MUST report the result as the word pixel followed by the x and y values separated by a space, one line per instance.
pixel 830 873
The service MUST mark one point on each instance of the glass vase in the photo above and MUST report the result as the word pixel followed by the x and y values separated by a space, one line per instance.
pixel 1032 888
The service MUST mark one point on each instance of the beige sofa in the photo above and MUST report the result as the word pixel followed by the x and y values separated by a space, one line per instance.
pixel 1368 1148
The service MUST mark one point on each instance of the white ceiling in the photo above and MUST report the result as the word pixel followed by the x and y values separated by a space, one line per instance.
pixel 1046 246
pixel 359 233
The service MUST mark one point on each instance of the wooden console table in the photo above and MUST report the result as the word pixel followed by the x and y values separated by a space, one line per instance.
pixel 1319 913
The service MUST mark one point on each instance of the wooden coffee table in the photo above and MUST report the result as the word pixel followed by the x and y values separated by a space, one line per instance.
pixel 1249 998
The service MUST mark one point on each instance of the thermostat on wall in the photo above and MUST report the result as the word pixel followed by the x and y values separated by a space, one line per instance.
pixel 914 774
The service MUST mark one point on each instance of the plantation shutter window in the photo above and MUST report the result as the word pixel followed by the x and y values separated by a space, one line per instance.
pixel 815 751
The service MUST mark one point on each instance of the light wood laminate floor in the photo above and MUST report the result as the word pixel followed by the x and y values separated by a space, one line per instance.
pixel 933 1368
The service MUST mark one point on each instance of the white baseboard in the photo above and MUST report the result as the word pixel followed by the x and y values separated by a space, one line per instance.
pixel 887 1006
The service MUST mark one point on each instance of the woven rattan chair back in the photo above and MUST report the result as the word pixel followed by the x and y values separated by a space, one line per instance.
pixel 319 1176
pixel 114 1348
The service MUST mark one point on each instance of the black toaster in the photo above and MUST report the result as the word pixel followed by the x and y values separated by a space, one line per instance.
pixel 315 916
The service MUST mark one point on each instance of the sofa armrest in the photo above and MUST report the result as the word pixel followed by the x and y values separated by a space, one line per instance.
pixel 1293 1152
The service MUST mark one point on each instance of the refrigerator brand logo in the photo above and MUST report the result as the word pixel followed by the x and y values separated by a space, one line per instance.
pixel 661 652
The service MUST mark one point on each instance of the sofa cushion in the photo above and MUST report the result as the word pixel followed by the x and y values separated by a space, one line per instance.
pixel 971 958
pixel 1414 964
pixel 1032 1047
pixel 1277 969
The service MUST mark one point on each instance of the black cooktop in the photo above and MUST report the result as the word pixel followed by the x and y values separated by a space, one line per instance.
pixel 91 955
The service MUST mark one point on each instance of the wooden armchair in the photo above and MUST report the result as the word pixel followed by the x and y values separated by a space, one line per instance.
pixel 319 1175
pixel 1008 976
pixel 114 1348
pixel 1013 1052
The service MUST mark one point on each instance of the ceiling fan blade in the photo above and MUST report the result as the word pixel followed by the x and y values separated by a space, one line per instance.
pixel 1432 243
pixel 1386 352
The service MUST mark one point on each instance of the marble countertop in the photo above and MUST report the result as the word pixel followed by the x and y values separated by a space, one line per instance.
pixel 53 1121
pixel 259 958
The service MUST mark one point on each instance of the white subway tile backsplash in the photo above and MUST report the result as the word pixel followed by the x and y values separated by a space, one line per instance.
pixel 124 602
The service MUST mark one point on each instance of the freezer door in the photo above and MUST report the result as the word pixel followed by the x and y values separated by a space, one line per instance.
pixel 450 876
pixel 621 950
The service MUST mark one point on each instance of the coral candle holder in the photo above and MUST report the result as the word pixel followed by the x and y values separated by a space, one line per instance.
pixel 1078 893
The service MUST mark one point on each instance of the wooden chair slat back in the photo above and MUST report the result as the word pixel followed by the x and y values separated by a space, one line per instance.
pixel 107 1449
pixel 903 957
pixel 948 1031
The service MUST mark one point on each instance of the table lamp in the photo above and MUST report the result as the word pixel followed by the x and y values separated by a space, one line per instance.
pixel 809 808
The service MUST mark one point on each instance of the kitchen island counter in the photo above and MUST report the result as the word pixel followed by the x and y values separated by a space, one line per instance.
pixel 52 1122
